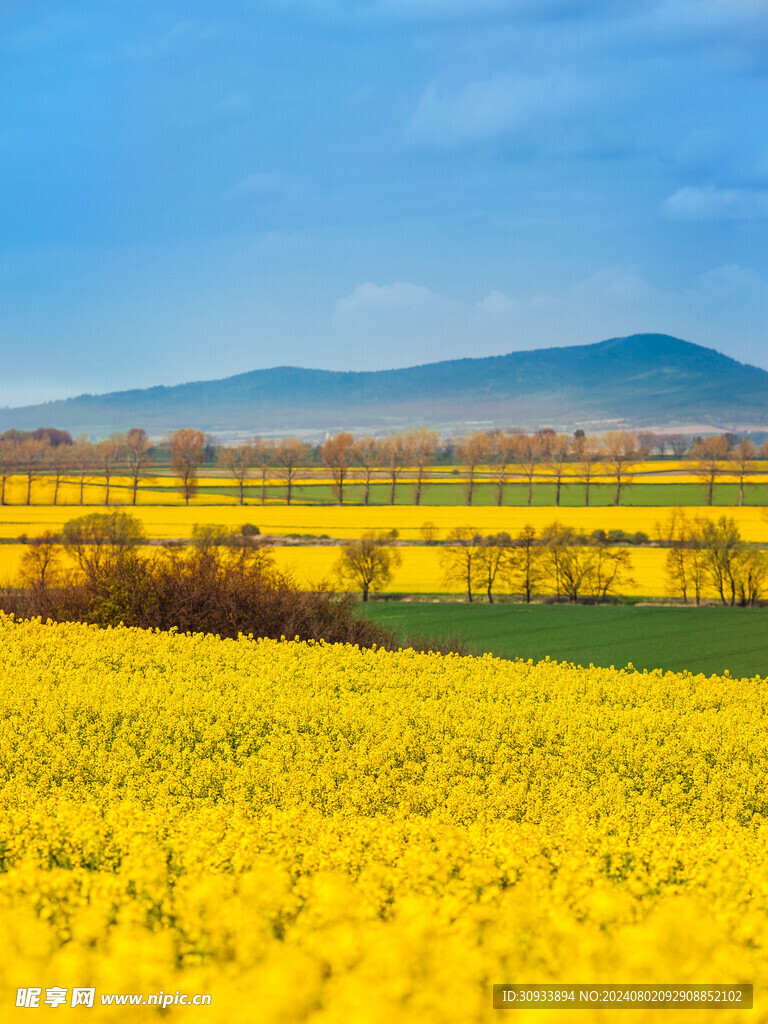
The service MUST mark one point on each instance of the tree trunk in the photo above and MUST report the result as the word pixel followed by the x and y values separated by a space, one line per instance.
pixel 471 484
pixel 530 489
pixel 135 487
pixel 29 488
pixel 417 497
pixel 586 494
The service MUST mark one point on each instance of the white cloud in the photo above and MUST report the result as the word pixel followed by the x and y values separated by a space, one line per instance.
pixel 731 280
pixel 490 107
pixel 496 306
pixel 709 203
pixel 399 297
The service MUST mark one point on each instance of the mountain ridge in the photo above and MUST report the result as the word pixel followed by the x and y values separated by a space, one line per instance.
pixel 628 381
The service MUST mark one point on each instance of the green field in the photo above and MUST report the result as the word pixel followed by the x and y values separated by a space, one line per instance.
pixel 515 494
pixel 708 640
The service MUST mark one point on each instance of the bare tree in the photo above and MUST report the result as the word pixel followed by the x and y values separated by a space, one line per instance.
pixel 290 454
pixel 567 561
pixel 526 571
pixel 558 450
pixel 743 452
pixel 368 455
pixel 109 453
pixel 493 562
pixel 421 445
pixel 588 451
pixel 529 451
pixel 8 465
pixel 137 447
pixel 622 453
pixel 682 572
pixel 708 455
pixel 337 453
pixel 83 459
pixel 187 454
pixel 237 459
pixel 472 451
pixel 41 562
pixel 504 447
pixel 680 444
pixel 31 454
pixel 459 557
pixel 394 455
pixel 367 563
pixel 59 462
pixel 264 457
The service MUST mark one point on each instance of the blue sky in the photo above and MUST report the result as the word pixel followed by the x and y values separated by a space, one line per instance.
pixel 194 189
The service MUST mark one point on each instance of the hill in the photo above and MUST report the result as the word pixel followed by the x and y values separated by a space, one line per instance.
pixel 642 380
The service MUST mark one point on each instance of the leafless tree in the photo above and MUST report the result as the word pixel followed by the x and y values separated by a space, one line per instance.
pixel 59 463
pixel 588 451
pixel 472 451
pixel 337 453
pixel 187 454
pixel 493 563
pixel 291 454
pixel 421 445
pixel 369 456
pixel 743 452
pixel 109 452
pixel 526 571
pixel 137 448
pixel 622 453
pixel 529 451
pixel 8 465
pixel 83 461
pixel 459 557
pixel 708 456
pixel 394 453
pixel 558 450
pixel 264 457
pixel 31 454
pixel 504 445
pixel 238 459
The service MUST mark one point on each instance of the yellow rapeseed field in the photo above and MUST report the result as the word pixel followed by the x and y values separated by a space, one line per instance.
pixel 353 520
pixel 420 572
pixel 317 833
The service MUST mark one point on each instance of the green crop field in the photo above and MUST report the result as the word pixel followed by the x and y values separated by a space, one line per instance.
pixel 515 494
pixel 708 640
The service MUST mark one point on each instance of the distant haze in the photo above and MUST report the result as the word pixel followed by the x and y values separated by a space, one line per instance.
pixel 648 380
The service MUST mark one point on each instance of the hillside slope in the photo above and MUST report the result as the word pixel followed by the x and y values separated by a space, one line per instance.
pixel 639 380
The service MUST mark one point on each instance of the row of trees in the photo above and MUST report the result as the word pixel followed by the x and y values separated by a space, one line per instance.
pixel 503 457
pixel 710 559
pixel 558 560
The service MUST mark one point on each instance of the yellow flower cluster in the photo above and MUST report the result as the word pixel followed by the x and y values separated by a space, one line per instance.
pixel 317 833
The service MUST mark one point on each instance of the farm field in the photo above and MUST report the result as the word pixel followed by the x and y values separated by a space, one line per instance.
pixel 708 640
pixel 371 836
pixel 443 486
pixel 419 573
pixel 351 521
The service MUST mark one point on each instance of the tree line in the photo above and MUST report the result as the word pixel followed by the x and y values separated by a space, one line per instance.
pixel 710 559
pixel 502 456
pixel 556 560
